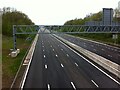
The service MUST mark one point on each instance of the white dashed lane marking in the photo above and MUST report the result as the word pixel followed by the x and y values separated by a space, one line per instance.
pixel 67 55
pixel 62 49
pixel 53 50
pixel 94 49
pixel 98 45
pixel 76 64
pixel 103 49
pixel 109 55
pixel 61 65
pixel 44 56
pixel 56 55
pixel 73 85
pixel 92 46
pixel 48 87
pixel 112 49
pixel 45 66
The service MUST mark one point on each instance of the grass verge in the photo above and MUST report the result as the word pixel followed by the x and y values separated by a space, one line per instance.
pixel 10 65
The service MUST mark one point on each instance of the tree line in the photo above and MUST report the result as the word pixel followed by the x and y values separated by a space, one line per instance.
pixel 107 37
pixel 91 17
pixel 10 17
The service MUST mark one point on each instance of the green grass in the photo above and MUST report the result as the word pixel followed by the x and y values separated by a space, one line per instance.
pixel 10 65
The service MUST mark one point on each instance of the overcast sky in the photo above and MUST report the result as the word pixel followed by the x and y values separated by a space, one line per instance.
pixel 57 12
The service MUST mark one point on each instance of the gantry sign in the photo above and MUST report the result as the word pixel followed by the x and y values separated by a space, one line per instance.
pixel 59 29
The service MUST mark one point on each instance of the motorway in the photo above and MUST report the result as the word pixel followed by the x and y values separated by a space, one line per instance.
pixel 55 65
pixel 109 52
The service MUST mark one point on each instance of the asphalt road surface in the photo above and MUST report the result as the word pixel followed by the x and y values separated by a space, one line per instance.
pixel 108 52
pixel 55 65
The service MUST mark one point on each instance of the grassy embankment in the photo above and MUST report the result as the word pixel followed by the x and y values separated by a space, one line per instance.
pixel 10 65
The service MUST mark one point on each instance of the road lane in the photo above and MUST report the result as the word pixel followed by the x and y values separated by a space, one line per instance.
pixel 70 69
pixel 55 66
pixel 108 52
pixel 39 76
pixel 87 68
pixel 55 73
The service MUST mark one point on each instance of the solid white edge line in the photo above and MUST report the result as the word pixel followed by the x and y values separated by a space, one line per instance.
pixel 48 87
pixel 94 83
pixel 89 62
pixel 27 71
pixel 73 85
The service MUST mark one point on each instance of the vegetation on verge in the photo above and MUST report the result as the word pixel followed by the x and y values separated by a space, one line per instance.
pixel 12 17
pixel 91 17
pixel 107 38
pixel 10 65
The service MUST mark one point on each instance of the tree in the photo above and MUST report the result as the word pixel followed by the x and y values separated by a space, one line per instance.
pixel 13 17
